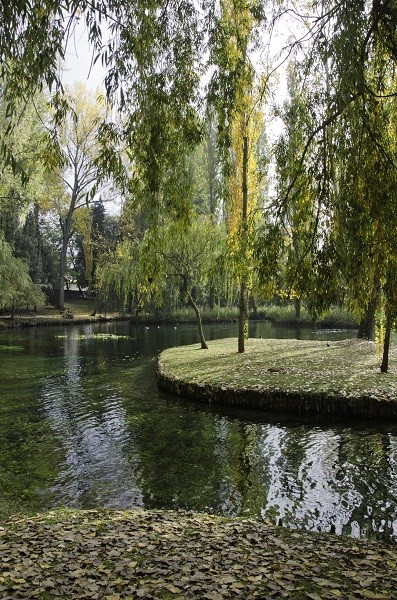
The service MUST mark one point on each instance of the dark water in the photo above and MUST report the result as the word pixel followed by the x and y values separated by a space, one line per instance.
pixel 82 424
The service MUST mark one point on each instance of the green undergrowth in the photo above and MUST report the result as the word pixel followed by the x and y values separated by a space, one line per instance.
pixel 322 370
pixel 184 555
pixel 4 348
pixel 335 317
pixel 83 310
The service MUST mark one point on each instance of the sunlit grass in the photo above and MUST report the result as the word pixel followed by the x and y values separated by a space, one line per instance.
pixel 348 368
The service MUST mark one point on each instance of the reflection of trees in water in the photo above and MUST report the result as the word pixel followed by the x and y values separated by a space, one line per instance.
pixel 178 468
pixel 28 461
pixel 392 478
pixel 234 449
pixel 168 453
pixel 318 479
pixel 369 461
pixel 90 420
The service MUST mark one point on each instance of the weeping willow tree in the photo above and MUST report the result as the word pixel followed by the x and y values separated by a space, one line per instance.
pixel 16 287
pixel 297 218
pixel 362 222
pixel 347 155
pixel 185 256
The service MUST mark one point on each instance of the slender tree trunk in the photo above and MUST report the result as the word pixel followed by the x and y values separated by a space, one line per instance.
pixel 243 303
pixel 211 166
pixel 243 317
pixel 199 324
pixel 62 273
pixel 211 176
pixel 66 229
pixel 384 367
pixel 366 328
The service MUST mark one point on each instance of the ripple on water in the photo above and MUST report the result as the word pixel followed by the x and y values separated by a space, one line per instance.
pixel 95 431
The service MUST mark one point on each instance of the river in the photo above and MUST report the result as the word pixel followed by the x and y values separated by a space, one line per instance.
pixel 82 424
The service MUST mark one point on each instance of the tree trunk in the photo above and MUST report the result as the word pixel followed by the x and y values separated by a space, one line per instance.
pixel 66 229
pixel 384 367
pixel 211 168
pixel 243 303
pixel 243 317
pixel 199 324
pixel 62 273
pixel 366 329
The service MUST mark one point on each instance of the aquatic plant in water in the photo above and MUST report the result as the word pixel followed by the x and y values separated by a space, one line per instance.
pixel 4 348
pixel 96 336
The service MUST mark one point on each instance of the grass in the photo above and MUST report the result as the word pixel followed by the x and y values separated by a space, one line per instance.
pixel 318 372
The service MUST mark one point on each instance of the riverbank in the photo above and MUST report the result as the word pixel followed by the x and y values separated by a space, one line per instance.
pixel 293 376
pixel 79 311
pixel 182 555
pixel 76 312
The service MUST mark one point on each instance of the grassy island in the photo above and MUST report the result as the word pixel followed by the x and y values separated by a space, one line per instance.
pixel 181 555
pixel 335 377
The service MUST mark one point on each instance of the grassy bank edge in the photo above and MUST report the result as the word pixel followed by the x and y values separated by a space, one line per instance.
pixel 82 313
pixel 293 387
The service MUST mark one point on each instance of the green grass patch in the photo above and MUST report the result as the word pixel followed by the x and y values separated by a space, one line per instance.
pixel 4 348
pixel 334 369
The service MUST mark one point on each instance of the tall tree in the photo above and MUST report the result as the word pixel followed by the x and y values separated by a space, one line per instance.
pixel 29 244
pixel 237 100
pixel 299 215
pixel 77 180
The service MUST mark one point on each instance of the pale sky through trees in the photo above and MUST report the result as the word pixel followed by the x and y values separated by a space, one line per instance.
pixel 77 66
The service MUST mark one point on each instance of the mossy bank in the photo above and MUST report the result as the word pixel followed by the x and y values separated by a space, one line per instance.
pixel 182 555
pixel 336 377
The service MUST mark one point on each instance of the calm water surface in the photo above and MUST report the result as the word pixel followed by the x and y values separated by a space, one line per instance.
pixel 82 424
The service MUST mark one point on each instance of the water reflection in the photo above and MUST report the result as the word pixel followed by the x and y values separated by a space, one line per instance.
pixel 97 432
pixel 93 433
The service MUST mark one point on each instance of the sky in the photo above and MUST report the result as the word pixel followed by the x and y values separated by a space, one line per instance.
pixel 78 61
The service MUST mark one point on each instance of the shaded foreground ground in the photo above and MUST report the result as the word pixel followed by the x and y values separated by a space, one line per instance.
pixel 336 377
pixel 181 555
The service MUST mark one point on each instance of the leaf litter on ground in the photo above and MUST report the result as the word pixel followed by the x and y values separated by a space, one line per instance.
pixel 181 555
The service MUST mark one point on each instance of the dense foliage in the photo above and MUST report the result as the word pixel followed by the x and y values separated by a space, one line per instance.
pixel 187 138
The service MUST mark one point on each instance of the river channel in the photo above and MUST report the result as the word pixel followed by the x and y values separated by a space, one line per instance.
pixel 82 424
